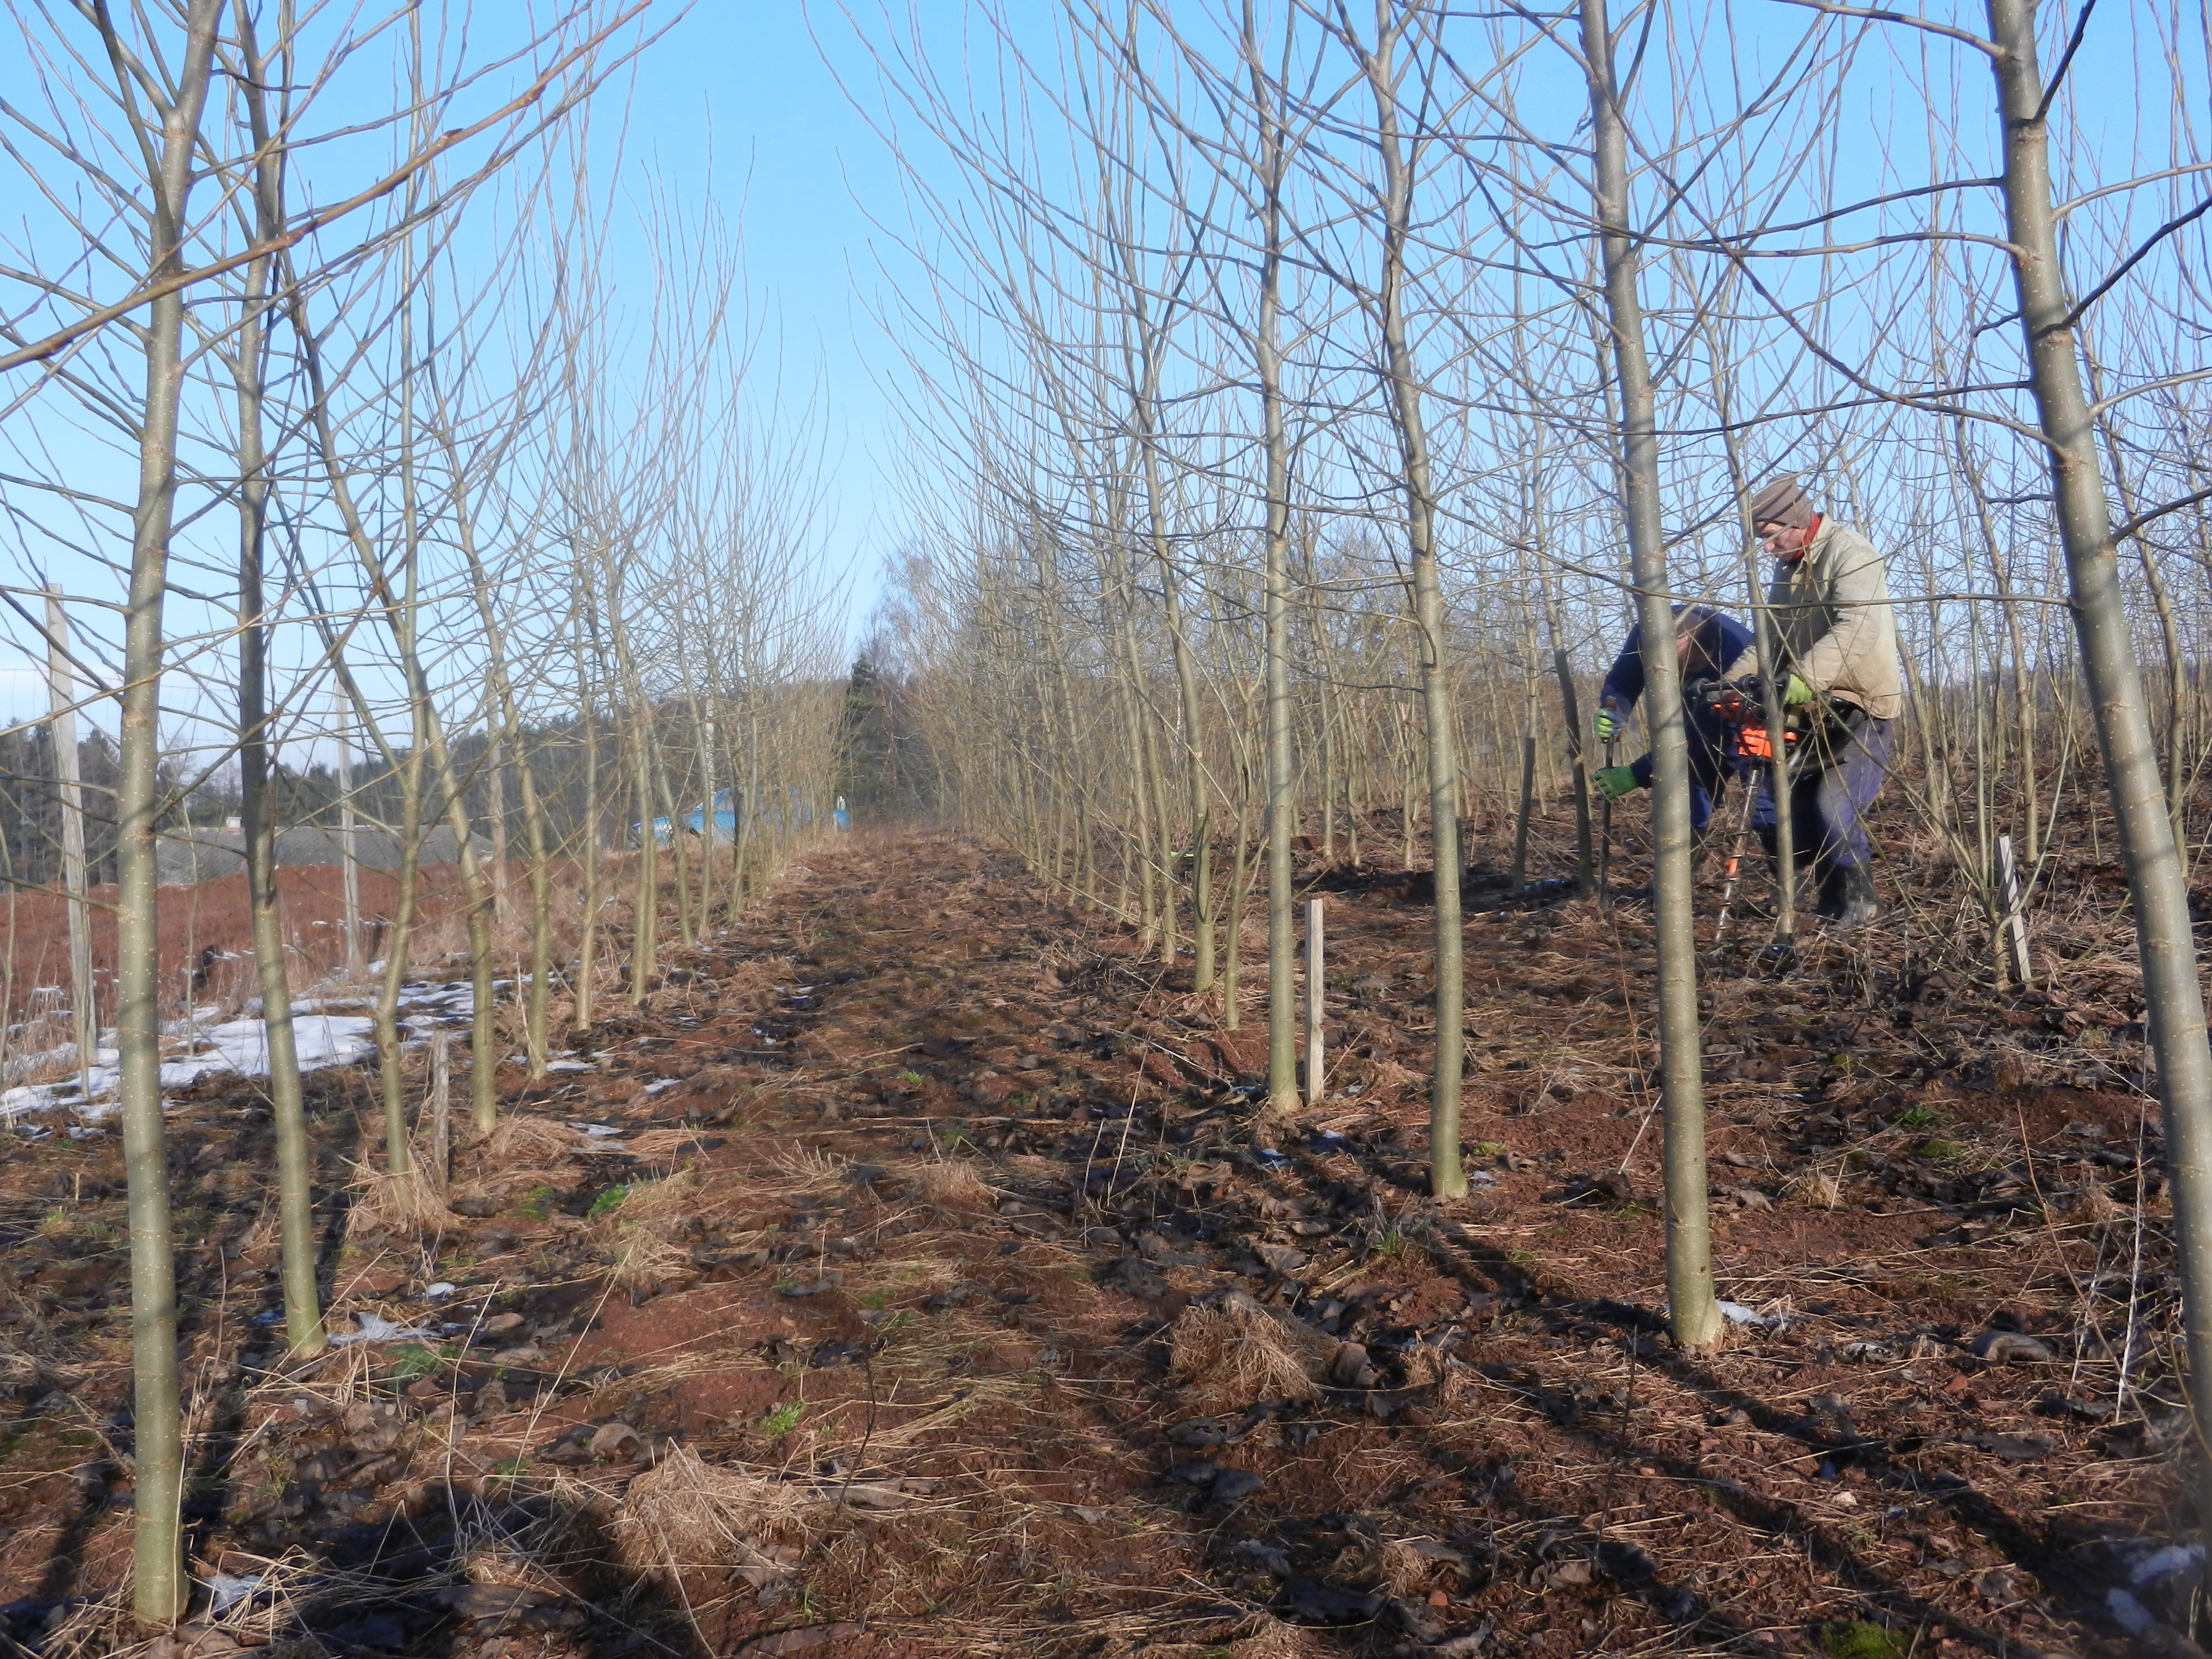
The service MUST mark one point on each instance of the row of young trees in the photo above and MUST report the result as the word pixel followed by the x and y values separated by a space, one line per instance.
pixel 1323 388
pixel 351 415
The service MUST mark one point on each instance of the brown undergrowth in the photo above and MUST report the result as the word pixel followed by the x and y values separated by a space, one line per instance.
pixel 936 1289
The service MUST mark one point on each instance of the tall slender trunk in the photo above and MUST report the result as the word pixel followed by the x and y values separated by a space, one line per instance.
pixel 295 1199
pixel 1692 1313
pixel 158 1584
pixel 1447 1178
pixel 588 943
pixel 2156 881
pixel 1282 805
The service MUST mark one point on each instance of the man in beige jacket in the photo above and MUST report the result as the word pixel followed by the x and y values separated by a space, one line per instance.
pixel 1838 645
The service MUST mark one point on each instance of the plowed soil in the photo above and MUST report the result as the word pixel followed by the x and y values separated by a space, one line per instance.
pixel 938 1286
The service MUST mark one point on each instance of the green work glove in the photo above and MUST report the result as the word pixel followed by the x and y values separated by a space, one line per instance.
pixel 1608 725
pixel 1796 693
pixel 1614 781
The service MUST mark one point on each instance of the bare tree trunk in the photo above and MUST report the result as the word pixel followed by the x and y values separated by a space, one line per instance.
pixel 1447 1178
pixel 2156 881
pixel 158 1583
pixel 1282 804
pixel 295 1199
pixel 588 945
pixel 1694 1315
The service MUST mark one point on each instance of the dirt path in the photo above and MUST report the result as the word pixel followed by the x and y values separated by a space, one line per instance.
pixel 931 1292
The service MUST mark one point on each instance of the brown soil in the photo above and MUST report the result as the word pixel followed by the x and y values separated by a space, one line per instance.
pixel 206 931
pixel 954 1251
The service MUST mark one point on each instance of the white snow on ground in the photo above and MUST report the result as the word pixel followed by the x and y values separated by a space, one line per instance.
pixel 204 1046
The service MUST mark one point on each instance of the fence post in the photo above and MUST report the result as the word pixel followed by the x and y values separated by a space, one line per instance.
pixel 2014 928
pixel 61 725
pixel 440 1110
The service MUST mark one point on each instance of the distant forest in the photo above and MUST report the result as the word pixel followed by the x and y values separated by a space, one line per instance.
pixel 881 773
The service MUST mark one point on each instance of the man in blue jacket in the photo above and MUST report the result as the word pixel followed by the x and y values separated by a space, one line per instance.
pixel 1705 643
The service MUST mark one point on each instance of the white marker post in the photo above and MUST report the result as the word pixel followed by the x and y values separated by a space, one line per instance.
pixel 349 858
pixel 61 725
pixel 1313 1076
pixel 2014 926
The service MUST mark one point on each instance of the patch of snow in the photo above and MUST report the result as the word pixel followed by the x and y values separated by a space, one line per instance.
pixel 226 1591
pixel 237 1045
pixel 374 1328
pixel 569 1066
pixel 1736 1313
pixel 665 1083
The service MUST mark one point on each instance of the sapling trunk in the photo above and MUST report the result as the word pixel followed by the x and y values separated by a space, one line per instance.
pixel 1694 1315
pixel 1447 1178
pixel 296 1200
pixel 158 1583
pixel 2157 882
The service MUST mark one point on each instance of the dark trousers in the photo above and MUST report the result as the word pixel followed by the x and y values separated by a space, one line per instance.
pixel 1835 784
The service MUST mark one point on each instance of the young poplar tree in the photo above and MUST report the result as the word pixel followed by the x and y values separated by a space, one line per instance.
pixel 170 122
pixel 1693 1315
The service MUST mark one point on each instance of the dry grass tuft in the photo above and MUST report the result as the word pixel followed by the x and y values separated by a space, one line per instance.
pixel 954 1183
pixel 659 1144
pixel 1816 1190
pixel 1241 1352
pixel 641 1232
pixel 412 1202
pixel 1263 1636
pixel 2094 1204
pixel 519 1139
pixel 808 1169
pixel 1404 1568
pixel 685 1512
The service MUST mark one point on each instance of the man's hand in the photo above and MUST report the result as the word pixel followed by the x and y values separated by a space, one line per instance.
pixel 1797 694
pixel 1608 723
pixel 1614 781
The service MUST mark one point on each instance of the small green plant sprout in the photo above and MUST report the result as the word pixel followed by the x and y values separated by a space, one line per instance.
pixel 1389 1245
pixel 413 1363
pixel 912 1080
pixel 1936 1150
pixel 608 1201
pixel 1916 1117
pixel 1856 1638
pixel 780 1421
pixel 1487 1149
pixel 537 1202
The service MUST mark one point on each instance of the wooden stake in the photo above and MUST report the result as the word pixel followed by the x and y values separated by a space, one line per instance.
pixel 2013 929
pixel 61 724
pixel 1314 1072
pixel 439 1108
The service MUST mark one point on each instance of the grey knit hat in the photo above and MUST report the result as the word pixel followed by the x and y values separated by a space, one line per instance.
pixel 1782 501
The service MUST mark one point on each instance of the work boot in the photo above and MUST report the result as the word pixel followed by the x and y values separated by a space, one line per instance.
pixel 1829 905
pixel 1858 906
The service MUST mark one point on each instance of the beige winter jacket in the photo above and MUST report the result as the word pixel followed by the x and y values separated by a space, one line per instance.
pixel 1833 617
